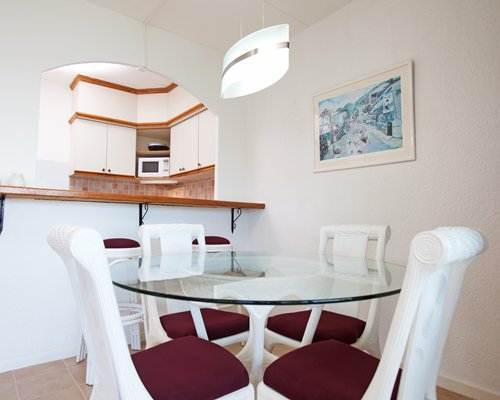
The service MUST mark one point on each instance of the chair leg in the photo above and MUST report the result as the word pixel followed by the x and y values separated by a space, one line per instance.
pixel 81 352
pixel 135 332
pixel 135 337
pixel 90 375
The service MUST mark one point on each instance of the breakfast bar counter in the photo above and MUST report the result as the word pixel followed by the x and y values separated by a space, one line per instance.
pixel 74 195
pixel 101 197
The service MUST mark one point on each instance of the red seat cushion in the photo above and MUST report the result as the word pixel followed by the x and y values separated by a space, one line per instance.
pixel 218 323
pixel 189 368
pixel 325 370
pixel 331 326
pixel 120 243
pixel 214 240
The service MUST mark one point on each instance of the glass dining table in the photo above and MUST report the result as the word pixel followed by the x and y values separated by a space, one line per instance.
pixel 259 281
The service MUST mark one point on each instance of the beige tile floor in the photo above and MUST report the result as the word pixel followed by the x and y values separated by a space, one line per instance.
pixel 56 380
pixel 65 380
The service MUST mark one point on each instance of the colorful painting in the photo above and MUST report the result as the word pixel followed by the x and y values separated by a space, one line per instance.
pixel 365 123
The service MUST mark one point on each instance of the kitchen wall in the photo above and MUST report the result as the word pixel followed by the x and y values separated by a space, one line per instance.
pixel 57 103
pixel 454 46
pixel 197 188
pixel 113 38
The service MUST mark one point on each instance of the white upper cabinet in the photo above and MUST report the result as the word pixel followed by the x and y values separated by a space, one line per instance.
pixel 193 143
pixel 88 146
pixel 102 148
pixel 184 146
pixel 121 147
pixel 104 137
pixel 207 138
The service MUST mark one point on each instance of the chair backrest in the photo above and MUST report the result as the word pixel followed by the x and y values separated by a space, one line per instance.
pixel 352 240
pixel 436 267
pixel 82 251
pixel 174 238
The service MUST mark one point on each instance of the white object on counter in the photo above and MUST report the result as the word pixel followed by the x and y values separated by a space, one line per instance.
pixel 16 179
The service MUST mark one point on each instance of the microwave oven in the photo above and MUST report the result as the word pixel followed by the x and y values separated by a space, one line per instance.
pixel 153 167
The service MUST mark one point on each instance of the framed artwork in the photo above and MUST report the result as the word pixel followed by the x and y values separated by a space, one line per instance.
pixel 366 122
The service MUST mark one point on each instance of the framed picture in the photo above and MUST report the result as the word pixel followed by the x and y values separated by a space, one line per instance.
pixel 366 122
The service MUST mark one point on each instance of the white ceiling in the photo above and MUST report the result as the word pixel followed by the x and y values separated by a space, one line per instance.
pixel 213 23
pixel 217 23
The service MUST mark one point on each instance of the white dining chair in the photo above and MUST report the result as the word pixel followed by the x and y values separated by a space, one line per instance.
pixel 332 369
pixel 214 244
pixel 164 371
pixel 131 312
pixel 340 321
pixel 186 318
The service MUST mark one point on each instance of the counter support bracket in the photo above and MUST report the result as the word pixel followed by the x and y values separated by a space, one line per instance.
pixel 2 206
pixel 142 214
pixel 233 219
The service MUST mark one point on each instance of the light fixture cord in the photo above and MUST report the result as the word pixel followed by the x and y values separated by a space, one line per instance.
pixel 145 23
pixel 263 21
pixel 145 28
pixel 241 19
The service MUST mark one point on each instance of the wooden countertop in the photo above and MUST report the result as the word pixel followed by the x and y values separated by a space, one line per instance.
pixel 100 197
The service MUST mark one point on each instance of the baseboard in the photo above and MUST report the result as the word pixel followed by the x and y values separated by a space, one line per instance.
pixel 467 389
pixel 35 359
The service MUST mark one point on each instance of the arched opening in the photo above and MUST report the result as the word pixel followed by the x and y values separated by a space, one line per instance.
pixel 111 127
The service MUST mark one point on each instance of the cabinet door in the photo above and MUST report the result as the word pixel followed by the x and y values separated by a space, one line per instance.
pixel 207 137
pixel 88 146
pixel 184 146
pixel 176 150
pixel 191 144
pixel 121 150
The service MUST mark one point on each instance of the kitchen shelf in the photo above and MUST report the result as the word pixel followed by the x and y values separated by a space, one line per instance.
pixel 155 153
pixel 157 181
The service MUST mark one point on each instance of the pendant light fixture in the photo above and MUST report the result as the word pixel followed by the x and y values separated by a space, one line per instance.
pixel 255 62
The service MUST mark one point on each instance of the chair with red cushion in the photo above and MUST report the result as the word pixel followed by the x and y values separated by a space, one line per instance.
pixel 132 312
pixel 334 370
pixel 341 321
pixel 202 320
pixel 184 368
pixel 214 244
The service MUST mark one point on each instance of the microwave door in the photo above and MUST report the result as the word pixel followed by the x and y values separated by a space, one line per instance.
pixel 150 167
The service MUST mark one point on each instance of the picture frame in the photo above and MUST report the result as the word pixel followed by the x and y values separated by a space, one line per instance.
pixel 366 122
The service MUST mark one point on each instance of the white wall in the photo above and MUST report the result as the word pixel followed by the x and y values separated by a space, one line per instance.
pixel 53 145
pixel 39 322
pixel 455 179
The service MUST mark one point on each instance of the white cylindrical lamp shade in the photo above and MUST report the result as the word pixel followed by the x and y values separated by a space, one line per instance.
pixel 255 62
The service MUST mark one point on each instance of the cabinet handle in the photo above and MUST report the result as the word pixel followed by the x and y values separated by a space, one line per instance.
pixel 199 164
pixel 109 170
pixel 104 170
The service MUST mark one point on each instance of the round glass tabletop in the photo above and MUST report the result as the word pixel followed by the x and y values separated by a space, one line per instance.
pixel 259 277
